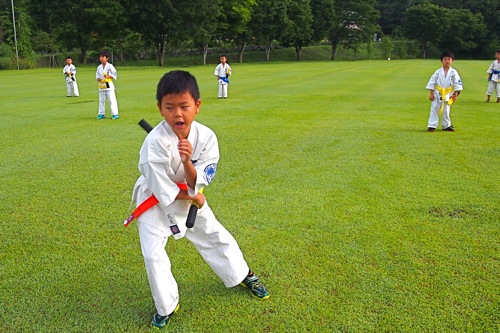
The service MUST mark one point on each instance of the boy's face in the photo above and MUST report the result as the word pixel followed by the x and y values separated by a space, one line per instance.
pixel 103 59
pixel 497 55
pixel 69 61
pixel 447 61
pixel 223 60
pixel 179 112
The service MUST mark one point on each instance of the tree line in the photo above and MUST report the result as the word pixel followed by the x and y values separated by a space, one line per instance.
pixel 133 28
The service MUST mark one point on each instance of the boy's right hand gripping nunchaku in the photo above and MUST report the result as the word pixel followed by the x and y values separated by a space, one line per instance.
pixel 152 200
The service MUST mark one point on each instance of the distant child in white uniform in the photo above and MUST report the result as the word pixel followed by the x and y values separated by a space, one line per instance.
pixel 223 71
pixel 178 158
pixel 105 75
pixel 444 87
pixel 494 78
pixel 69 72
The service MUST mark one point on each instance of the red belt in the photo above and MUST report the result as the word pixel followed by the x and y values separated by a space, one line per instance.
pixel 145 205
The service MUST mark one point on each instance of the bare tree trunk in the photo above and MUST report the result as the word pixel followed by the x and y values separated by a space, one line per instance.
pixel 298 51
pixel 52 60
pixel 241 49
pixel 84 56
pixel 205 51
pixel 268 47
pixel 161 52
pixel 334 51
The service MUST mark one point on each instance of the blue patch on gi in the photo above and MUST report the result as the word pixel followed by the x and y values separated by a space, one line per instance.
pixel 210 172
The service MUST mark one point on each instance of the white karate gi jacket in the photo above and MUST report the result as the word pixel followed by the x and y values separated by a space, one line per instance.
pixel 72 69
pixel 494 67
pixel 161 168
pixel 109 70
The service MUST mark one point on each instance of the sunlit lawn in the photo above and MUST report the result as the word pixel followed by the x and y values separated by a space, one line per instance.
pixel 355 217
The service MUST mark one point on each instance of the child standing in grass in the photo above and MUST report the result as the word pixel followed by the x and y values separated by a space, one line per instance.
pixel 105 75
pixel 69 72
pixel 177 159
pixel 444 87
pixel 494 78
pixel 223 71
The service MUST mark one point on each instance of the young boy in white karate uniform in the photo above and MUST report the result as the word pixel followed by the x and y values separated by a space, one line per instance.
pixel 444 87
pixel 105 75
pixel 182 153
pixel 69 72
pixel 494 78
pixel 223 71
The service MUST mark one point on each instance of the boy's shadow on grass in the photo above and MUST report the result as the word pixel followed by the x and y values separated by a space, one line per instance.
pixel 79 100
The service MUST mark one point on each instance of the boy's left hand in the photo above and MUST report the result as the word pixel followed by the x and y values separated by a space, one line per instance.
pixel 199 200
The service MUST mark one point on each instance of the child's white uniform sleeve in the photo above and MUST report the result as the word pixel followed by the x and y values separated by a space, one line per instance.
pixel 431 85
pixel 490 69
pixel 205 155
pixel 112 71
pixel 154 163
pixel 98 72
pixel 457 82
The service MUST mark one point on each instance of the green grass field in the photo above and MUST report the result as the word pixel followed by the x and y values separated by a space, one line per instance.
pixel 355 217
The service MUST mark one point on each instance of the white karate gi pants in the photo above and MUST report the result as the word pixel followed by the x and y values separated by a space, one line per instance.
pixel 222 89
pixel 111 97
pixel 215 245
pixel 434 115
pixel 72 88
pixel 493 86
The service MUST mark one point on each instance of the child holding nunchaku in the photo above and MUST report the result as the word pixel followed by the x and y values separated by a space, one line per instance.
pixel 177 159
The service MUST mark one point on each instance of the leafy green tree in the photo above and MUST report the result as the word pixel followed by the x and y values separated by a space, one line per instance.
pixel 268 20
pixel 83 24
pixel 466 32
pixel 323 12
pixel 23 32
pixel 490 10
pixel 5 21
pixel 390 19
pixel 158 21
pixel 353 23
pixel 238 14
pixel 203 20
pixel 130 45
pixel 388 46
pixel 298 31
pixel 425 23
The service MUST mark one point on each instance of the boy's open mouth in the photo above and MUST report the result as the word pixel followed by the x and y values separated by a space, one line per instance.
pixel 179 124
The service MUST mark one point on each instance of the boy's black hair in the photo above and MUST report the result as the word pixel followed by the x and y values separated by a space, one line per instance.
pixel 68 57
pixel 177 83
pixel 447 54
pixel 104 53
pixel 497 51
